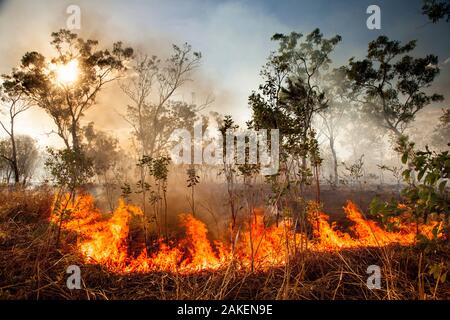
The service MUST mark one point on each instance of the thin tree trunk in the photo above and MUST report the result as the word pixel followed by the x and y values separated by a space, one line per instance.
pixel 144 210
pixel 193 200
pixel 165 215
pixel 75 139
pixel 316 169
pixel 14 158
pixel 61 216
pixel 335 162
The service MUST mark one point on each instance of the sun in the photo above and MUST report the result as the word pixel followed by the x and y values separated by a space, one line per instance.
pixel 67 73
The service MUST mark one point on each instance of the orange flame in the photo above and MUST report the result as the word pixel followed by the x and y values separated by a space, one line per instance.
pixel 106 241
pixel 367 232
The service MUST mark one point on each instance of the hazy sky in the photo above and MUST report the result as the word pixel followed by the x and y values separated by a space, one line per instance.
pixel 233 36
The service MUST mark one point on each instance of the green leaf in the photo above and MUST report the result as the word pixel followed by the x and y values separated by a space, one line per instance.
pixel 406 174
pixel 420 175
pixel 404 158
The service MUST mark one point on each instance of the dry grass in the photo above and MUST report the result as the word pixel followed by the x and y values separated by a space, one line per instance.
pixel 32 268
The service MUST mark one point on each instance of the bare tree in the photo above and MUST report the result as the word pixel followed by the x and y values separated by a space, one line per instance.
pixel 337 90
pixel 13 103
pixel 152 115
pixel 27 155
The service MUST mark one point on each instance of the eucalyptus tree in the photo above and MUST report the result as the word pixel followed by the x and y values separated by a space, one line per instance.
pixel 292 94
pixel 392 85
pixel 334 118
pixel 67 84
pixel 436 10
pixel 153 112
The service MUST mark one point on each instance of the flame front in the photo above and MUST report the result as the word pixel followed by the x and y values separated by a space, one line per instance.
pixel 106 241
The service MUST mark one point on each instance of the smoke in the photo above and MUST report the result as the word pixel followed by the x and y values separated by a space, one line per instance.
pixel 233 38
pixel 26 26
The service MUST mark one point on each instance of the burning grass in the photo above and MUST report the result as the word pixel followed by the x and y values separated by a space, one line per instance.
pixel 256 245
pixel 194 267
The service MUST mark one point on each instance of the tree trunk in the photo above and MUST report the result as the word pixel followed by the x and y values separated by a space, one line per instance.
pixel 165 215
pixel 14 161
pixel 193 200
pixel 316 169
pixel 75 139
pixel 335 162
pixel 14 155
